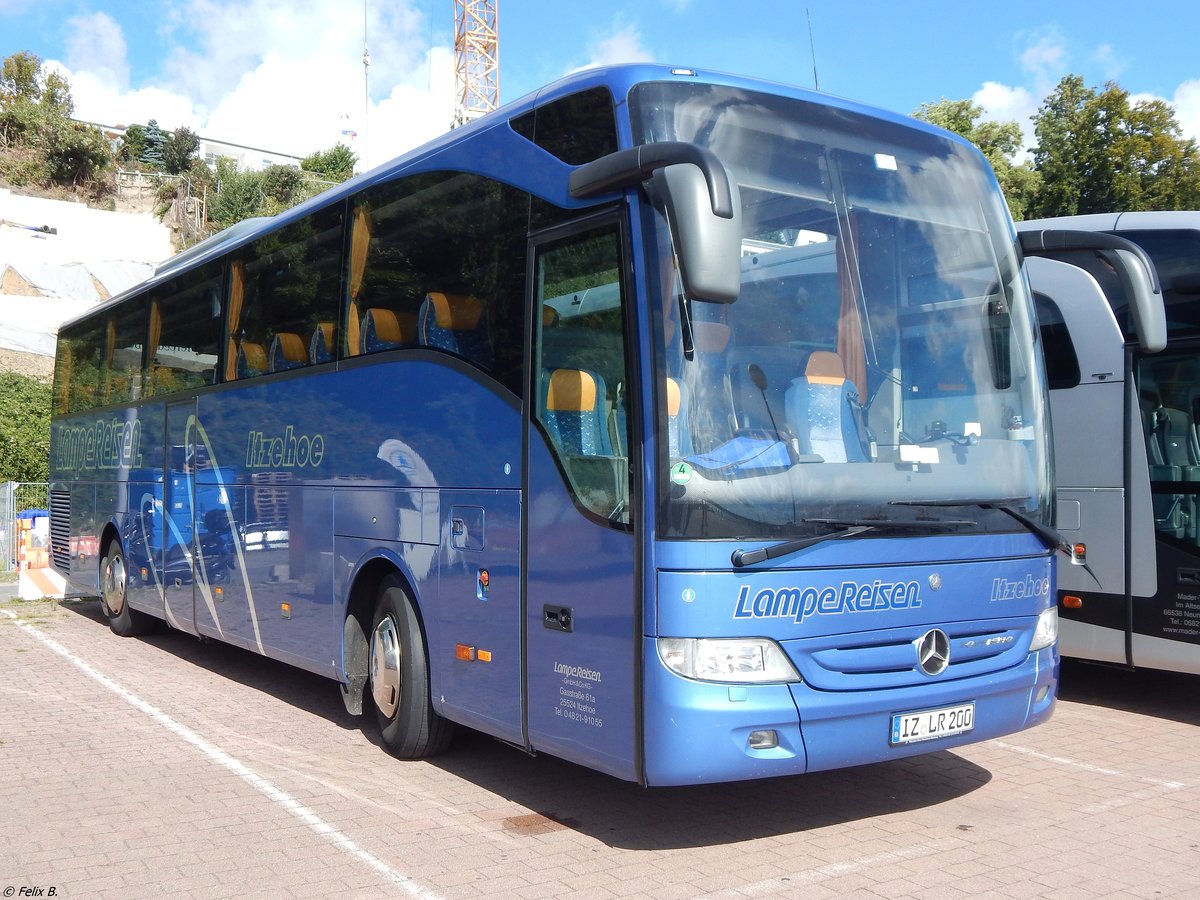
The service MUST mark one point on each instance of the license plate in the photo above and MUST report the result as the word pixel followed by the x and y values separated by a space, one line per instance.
pixel 929 724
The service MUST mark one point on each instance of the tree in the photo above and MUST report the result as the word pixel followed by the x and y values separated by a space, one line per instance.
pixel 1098 153
pixel 1000 142
pixel 24 428
pixel 239 195
pixel 179 150
pixel 152 152
pixel 30 100
pixel 76 153
pixel 133 144
pixel 283 184
pixel 337 163
pixel 21 77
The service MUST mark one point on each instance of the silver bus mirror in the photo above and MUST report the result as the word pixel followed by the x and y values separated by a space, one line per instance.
pixel 702 203
pixel 1132 265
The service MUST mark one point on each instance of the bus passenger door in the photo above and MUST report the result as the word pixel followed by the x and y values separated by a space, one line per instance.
pixel 582 615
pixel 175 562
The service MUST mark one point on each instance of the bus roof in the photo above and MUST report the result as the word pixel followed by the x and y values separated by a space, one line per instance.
pixel 1121 221
pixel 619 79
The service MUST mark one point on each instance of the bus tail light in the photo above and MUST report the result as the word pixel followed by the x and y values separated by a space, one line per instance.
pixel 1079 554
pixel 741 660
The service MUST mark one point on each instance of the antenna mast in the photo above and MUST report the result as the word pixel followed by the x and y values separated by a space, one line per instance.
pixel 812 48
pixel 366 86
pixel 476 59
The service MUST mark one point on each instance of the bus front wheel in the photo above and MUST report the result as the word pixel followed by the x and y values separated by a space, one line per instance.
pixel 114 596
pixel 399 679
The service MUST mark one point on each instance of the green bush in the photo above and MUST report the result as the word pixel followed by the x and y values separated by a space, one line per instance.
pixel 24 428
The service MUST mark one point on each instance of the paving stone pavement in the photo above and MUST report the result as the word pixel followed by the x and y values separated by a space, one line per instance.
pixel 162 766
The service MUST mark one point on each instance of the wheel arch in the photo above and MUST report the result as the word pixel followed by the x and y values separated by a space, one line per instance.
pixel 361 598
pixel 108 536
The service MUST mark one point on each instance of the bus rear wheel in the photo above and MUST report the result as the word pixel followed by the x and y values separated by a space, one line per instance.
pixel 114 596
pixel 399 679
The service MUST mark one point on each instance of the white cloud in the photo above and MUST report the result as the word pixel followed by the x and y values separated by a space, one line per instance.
pixel 274 74
pixel 1187 108
pixel 1005 103
pixel 96 44
pixel 1045 58
pixel 622 45
pixel 1110 64
pixel 97 99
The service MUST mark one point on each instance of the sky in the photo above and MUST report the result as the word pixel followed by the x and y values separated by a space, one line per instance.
pixel 288 75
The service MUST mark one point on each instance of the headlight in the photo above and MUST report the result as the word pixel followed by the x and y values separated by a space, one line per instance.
pixel 741 660
pixel 1046 632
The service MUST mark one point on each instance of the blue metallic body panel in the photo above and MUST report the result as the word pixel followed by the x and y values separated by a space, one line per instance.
pixel 851 632
pixel 479 606
pixel 583 701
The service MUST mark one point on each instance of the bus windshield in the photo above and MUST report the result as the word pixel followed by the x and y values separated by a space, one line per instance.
pixel 879 364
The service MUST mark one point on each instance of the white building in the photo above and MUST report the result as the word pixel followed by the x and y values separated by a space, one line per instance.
pixel 210 150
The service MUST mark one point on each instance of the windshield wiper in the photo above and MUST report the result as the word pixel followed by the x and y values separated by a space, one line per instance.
pixel 1051 537
pixel 741 558
pixel 844 528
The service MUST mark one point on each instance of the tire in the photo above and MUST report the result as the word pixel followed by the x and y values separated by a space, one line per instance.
pixel 399 679
pixel 114 596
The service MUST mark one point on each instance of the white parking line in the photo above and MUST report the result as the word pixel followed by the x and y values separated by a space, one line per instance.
pixel 1088 767
pixel 786 884
pixel 337 838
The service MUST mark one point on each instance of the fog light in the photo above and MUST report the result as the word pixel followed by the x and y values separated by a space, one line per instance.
pixel 766 739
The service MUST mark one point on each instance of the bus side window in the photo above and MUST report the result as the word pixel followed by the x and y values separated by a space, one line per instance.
pixel 184 340
pixel 580 364
pixel 284 289
pixel 436 260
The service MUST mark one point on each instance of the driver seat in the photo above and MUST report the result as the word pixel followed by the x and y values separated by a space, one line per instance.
pixel 820 406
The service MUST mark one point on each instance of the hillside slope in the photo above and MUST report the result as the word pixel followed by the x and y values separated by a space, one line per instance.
pixel 59 258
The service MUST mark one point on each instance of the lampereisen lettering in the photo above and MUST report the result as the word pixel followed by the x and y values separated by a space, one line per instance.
pixel 98 446
pixel 289 451
pixel 1003 589
pixel 576 672
pixel 799 604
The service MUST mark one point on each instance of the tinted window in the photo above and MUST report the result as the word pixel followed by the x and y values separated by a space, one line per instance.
pixel 284 291
pixel 1062 365
pixel 185 331
pixel 124 339
pixel 438 261
pixel 79 368
pixel 577 129
pixel 1176 256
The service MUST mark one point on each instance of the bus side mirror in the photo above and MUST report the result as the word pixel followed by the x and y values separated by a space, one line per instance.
pixel 1145 303
pixel 1133 267
pixel 702 203
pixel 708 247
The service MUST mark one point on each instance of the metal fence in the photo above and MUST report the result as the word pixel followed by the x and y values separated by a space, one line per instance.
pixel 15 498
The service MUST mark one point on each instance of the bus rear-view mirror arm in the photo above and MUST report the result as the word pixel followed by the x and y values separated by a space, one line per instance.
pixel 1133 266
pixel 702 203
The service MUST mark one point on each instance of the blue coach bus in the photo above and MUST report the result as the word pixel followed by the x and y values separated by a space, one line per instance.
pixel 683 426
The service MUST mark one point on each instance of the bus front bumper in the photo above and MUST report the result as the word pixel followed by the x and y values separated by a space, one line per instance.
pixel 699 732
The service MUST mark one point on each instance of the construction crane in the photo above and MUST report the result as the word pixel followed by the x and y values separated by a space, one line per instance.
pixel 476 59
